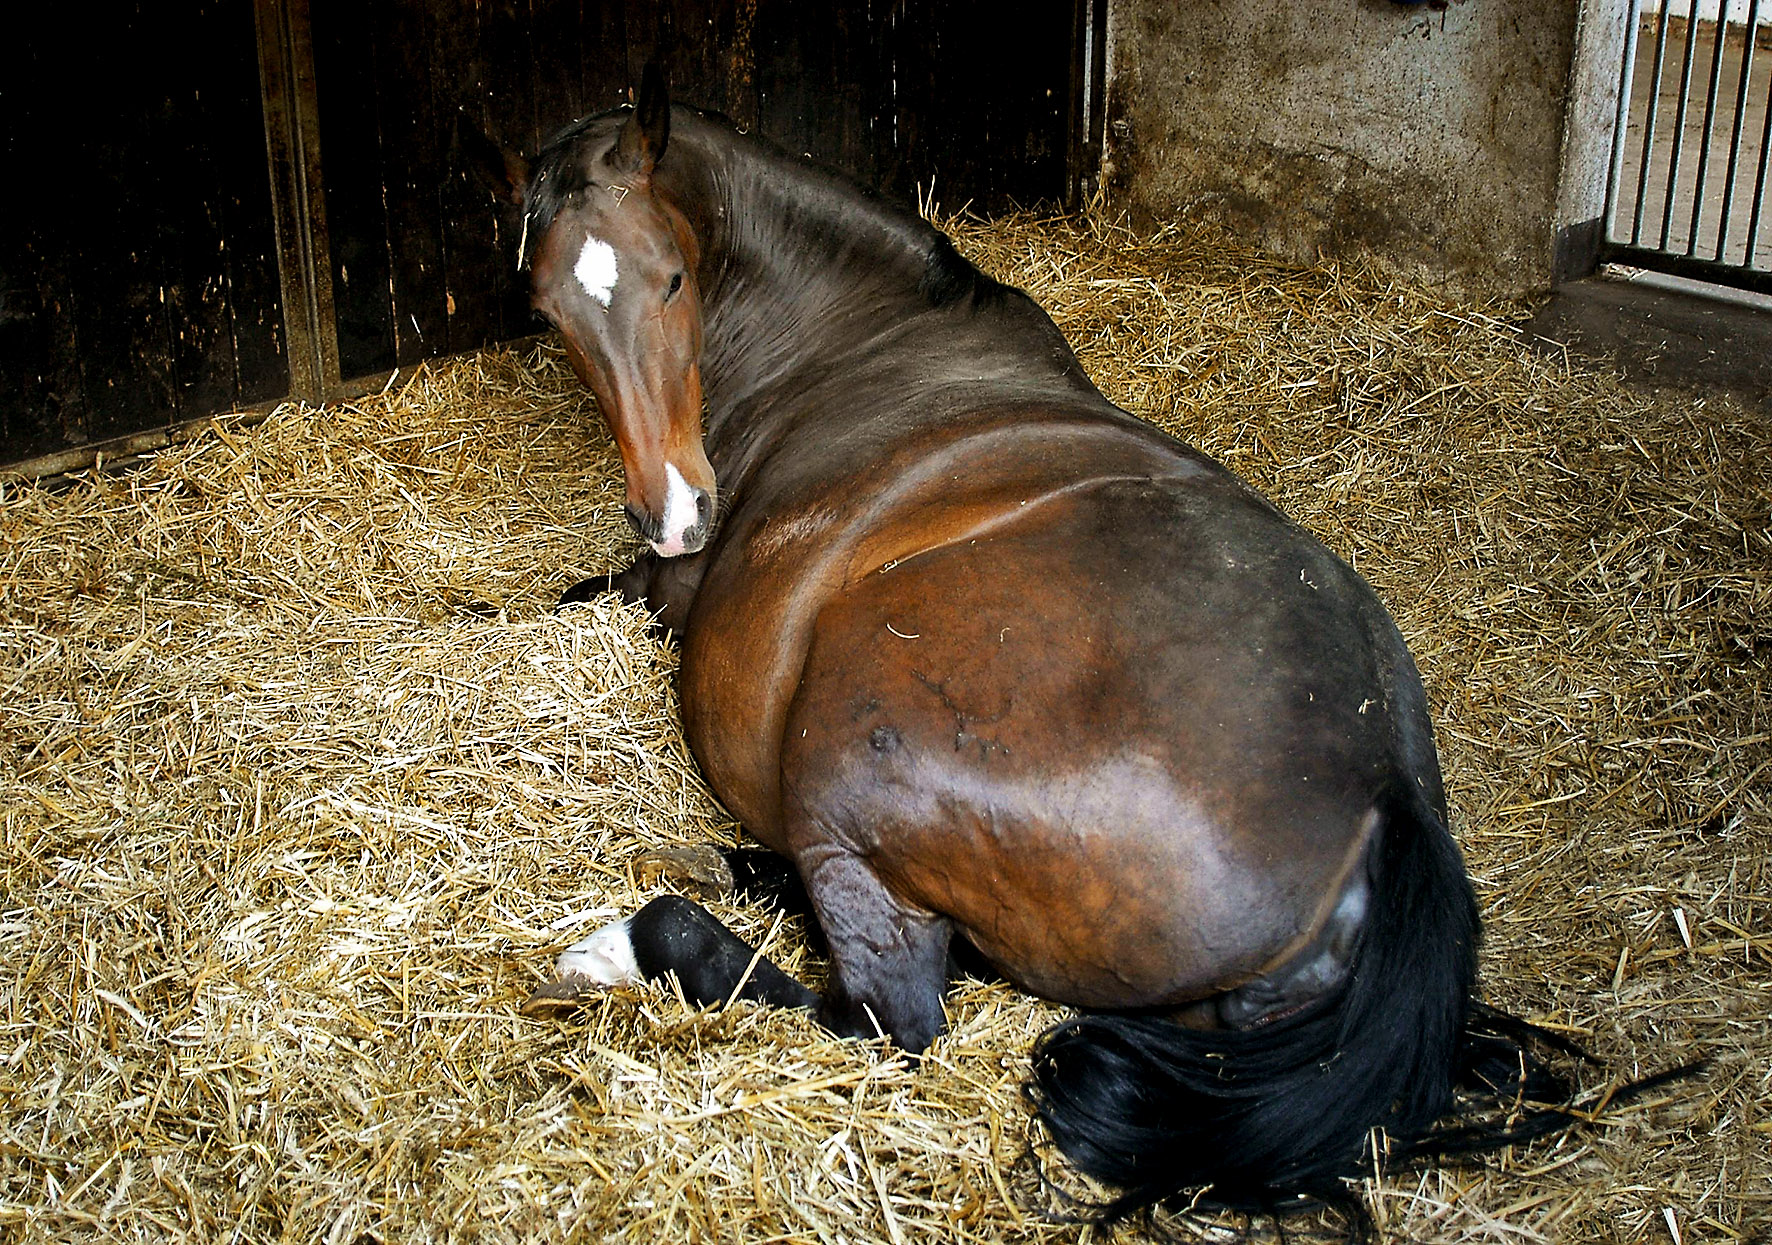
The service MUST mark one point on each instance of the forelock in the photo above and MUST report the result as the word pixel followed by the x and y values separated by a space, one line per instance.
pixel 562 169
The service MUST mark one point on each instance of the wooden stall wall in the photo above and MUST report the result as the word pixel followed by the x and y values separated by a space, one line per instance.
pixel 159 261
pixel 138 279
pixel 975 100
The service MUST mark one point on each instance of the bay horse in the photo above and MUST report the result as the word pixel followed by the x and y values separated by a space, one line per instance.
pixel 986 659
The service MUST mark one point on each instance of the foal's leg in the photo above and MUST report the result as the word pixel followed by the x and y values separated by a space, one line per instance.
pixel 753 873
pixel 769 878
pixel 631 583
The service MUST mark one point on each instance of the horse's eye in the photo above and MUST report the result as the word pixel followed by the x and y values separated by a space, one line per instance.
pixel 676 284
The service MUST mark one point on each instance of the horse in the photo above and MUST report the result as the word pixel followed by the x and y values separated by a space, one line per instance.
pixel 986 663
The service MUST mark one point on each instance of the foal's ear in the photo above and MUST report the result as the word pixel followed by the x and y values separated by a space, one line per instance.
pixel 641 143
pixel 503 171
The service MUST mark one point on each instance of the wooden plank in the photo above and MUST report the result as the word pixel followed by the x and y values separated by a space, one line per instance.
pixel 249 266
pixel 699 47
pixel 603 47
pixel 506 82
pixel 810 84
pixel 473 280
pixel 740 66
pixel 42 398
pixel 512 116
pixel 603 57
pixel 197 138
pixel 912 149
pixel 114 260
pixel 413 171
pixel 289 108
pixel 898 94
pixel 151 295
pixel 346 83
pixel 556 62
pixel 987 107
pixel 1085 118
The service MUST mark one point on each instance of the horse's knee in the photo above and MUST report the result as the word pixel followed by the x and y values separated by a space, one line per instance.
pixel 911 1014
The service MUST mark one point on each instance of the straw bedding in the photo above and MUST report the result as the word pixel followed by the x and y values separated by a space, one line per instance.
pixel 304 783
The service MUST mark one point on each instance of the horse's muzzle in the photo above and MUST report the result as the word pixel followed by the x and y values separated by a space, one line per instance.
pixel 684 526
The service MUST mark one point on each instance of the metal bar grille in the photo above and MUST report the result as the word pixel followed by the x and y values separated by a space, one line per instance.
pixel 1696 78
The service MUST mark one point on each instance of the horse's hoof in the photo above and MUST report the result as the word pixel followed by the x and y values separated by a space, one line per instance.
pixel 602 960
pixel 556 998
pixel 701 870
pixel 589 966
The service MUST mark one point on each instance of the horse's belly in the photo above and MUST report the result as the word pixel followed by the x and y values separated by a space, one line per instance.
pixel 1111 774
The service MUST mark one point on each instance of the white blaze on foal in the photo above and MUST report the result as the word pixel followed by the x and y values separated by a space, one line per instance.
pixel 596 269
pixel 606 958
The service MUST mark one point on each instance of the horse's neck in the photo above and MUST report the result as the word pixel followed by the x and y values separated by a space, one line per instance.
pixel 798 271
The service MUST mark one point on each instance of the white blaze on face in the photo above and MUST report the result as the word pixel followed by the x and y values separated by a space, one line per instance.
pixel 606 958
pixel 595 269
pixel 679 516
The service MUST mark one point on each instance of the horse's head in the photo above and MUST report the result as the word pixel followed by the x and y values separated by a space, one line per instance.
pixel 612 266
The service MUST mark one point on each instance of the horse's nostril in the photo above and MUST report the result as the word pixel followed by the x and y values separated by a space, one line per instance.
pixel 704 506
pixel 637 521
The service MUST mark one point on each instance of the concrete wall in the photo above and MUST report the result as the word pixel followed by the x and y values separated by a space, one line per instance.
pixel 1467 146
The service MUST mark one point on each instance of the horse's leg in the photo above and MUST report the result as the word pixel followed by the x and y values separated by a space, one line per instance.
pixel 769 878
pixel 665 586
pixel 889 961
pixel 673 936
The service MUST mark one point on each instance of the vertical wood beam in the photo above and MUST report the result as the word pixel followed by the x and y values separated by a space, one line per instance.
pixel 1083 146
pixel 292 141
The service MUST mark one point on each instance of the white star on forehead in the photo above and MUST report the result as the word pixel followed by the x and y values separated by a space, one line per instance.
pixel 595 269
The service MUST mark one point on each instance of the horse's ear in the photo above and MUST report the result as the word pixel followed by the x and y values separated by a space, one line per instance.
pixel 503 171
pixel 641 143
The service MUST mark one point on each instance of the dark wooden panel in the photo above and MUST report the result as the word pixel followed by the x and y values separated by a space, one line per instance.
pixel 819 76
pixel 42 398
pixel 138 281
pixel 113 235
pixel 222 288
pixel 136 277
pixel 356 212
pixel 983 100
pixel 292 141
pixel 975 98
pixel 474 285
pixel 413 173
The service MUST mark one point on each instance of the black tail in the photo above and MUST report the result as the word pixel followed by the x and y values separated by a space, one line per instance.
pixel 1279 1112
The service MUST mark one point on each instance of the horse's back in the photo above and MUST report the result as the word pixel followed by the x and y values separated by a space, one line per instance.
pixel 1132 743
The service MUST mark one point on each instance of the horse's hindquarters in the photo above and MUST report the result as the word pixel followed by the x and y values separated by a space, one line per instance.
pixel 1132 749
